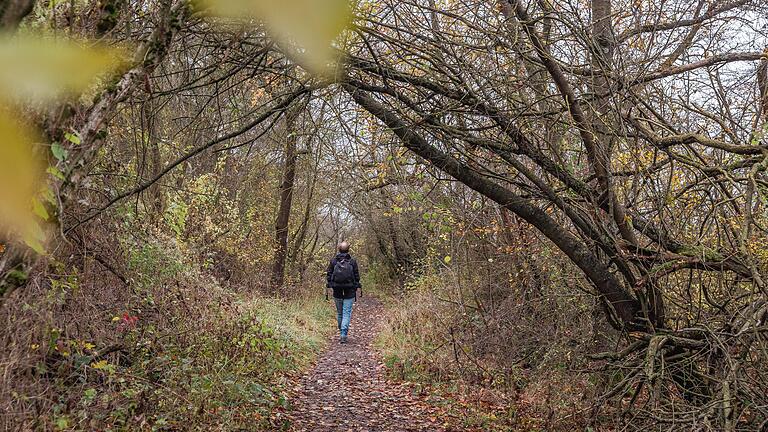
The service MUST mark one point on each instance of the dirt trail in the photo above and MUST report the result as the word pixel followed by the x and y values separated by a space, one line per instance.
pixel 346 390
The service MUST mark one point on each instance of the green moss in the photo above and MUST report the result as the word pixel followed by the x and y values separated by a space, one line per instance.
pixel 702 252
pixel 662 267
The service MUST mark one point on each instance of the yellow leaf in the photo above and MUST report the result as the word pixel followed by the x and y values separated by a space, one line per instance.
pixel 101 364
pixel 44 69
pixel 306 29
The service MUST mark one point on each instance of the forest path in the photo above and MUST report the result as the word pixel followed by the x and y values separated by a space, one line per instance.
pixel 347 390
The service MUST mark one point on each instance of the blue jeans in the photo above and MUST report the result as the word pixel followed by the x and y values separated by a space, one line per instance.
pixel 344 314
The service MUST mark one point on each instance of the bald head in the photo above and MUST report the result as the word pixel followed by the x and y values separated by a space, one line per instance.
pixel 343 247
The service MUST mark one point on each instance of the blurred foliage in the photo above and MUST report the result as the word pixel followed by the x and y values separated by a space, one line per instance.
pixel 306 29
pixel 20 173
pixel 45 70
pixel 38 71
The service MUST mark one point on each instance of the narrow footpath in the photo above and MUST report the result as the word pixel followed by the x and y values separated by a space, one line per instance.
pixel 347 390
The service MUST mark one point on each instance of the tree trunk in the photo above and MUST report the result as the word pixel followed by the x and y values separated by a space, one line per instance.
pixel 603 122
pixel 286 198
pixel 154 164
pixel 762 84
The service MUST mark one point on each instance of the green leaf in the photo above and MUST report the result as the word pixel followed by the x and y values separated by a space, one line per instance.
pixel 74 139
pixel 90 393
pixel 52 170
pixel 59 152
pixel 34 236
pixel 62 422
pixel 83 360
pixel 34 241
pixel 48 195
pixel 39 209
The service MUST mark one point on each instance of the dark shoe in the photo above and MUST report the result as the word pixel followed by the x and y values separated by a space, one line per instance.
pixel 343 339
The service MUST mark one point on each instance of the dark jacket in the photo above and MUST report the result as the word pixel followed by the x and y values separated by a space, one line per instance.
pixel 344 291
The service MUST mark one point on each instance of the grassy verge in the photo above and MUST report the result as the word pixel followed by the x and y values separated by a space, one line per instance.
pixel 229 373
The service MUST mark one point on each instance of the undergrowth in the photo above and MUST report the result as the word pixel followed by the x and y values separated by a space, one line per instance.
pixel 173 350
pixel 416 351
pixel 442 349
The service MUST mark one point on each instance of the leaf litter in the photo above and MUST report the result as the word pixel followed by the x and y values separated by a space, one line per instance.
pixel 348 390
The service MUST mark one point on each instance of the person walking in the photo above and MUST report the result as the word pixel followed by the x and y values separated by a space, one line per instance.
pixel 343 277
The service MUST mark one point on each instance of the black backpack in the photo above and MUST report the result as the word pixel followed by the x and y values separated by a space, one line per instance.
pixel 343 273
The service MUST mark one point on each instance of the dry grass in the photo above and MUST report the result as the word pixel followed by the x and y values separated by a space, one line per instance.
pixel 501 369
